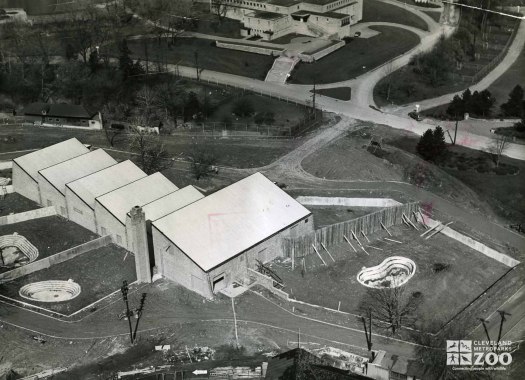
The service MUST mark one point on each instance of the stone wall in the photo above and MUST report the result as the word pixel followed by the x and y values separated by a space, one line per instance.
pixel 347 202
pixel 249 48
pixel 28 215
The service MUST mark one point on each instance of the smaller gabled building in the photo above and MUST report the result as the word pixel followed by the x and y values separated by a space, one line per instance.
pixel 111 209
pixel 81 194
pixel 67 115
pixel 26 167
pixel 211 243
pixel 52 180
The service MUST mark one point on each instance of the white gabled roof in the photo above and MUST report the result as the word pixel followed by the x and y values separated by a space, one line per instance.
pixel 33 162
pixel 90 187
pixel 60 174
pixel 230 221
pixel 171 202
pixel 118 202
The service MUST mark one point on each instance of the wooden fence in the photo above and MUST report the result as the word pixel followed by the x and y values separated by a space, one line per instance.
pixel 336 233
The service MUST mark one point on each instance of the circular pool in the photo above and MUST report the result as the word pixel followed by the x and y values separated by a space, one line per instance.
pixel 391 273
pixel 50 291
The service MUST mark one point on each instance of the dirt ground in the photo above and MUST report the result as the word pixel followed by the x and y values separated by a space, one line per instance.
pixel 98 272
pixel 454 287
pixel 326 215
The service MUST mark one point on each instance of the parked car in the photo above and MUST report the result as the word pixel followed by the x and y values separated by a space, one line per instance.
pixel 415 115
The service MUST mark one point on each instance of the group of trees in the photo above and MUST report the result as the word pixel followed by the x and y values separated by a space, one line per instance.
pixel 515 105
pixel 477 104
pixel 431 145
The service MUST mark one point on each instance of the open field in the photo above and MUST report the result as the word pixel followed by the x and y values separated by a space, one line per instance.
pixel 210 57
pixel 98 272
pixel 50 235
pixel 374 11
pixel 243 152
pixel 15 203
pixel 341 93
pixel 326 215
pixel 453 287
pixel 359 55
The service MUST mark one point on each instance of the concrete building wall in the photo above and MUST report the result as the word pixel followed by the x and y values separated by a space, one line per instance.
pixel 173 264
pixel 107 224
pixel 50 196
pixel 79 212
pixel 24 184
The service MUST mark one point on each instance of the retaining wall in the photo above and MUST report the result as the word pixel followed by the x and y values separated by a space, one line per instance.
pixel 28 215
pixel 474 244
pixel 347 202
pixel 267 282
pixel 249 49
pixel 336 233
pixel 55 259
pixel 4 165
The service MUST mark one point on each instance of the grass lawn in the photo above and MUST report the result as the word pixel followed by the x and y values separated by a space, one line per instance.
pixel 501 88
pixel 435 15
pixel 454 287
pixel 502 192
pixel 374 11
pixel 50 235
pixel 14 203
pixel 341 93
pixel 360 52
pixel 98 272
pixel 286 39
pixel 210 57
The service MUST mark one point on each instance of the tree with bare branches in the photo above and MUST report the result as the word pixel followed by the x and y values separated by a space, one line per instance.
pixel 219 8
pixel 391 308
pixel 152 154
pixel 497 147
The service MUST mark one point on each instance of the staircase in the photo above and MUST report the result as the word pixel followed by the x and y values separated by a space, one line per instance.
pixel 281 69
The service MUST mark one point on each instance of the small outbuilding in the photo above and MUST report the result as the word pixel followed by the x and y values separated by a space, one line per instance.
pixel 65 115
pixel 211 243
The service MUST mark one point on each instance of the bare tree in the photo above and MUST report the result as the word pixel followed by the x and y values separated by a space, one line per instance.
pixel 202 162
pixel 390 307
pixel 152 155
pixel 389 78
pixel 497 147
pixel 220 8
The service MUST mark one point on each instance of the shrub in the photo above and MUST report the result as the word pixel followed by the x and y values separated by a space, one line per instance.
pixel 440 267
pixel 243 107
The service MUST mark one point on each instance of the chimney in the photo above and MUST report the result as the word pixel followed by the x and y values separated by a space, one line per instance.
pixel 138 243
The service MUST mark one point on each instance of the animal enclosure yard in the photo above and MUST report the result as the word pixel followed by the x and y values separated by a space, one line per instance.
pixel 98 272
pixel 16 203
pixel 49 235
pixel 447 273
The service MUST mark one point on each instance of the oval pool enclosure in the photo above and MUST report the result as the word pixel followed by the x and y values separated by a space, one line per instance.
pixel 392 272
pixel 50 291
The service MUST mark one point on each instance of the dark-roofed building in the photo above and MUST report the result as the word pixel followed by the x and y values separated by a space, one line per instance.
pixel 66 115
pixel 386 366
pixel 271 19
pixel 299 364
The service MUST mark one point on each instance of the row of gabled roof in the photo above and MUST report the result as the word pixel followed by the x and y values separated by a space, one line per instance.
pixel 209 230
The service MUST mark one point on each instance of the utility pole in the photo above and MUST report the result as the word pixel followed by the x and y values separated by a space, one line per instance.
pixel 196 55
pixel 313 102
pixel 503 319
pixel 368 332
pixel 483 321
pixel 125 289
pixel 139 314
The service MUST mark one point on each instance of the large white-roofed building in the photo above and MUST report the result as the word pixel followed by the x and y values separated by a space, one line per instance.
pixel 212 242
pixel 52 180
pixel 26 167
pixel 111 209
pixel 81 194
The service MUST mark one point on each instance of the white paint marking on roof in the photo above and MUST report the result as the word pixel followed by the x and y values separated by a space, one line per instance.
pixel 228 222
pixel 52 155
pixel 118 202
pixel 60 174
pixel 90 187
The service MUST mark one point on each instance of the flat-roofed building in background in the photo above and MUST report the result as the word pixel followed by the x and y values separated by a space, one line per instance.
pixel 26 167
pixel 81 194
pixel 271 19
pixel 52 180
pixel 111 209
pixel 212 242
